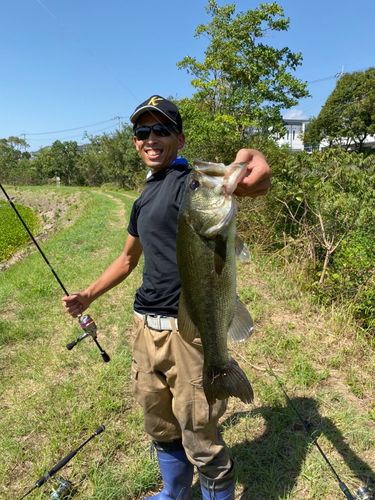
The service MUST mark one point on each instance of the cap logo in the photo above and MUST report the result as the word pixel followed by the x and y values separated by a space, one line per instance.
pixel 153 100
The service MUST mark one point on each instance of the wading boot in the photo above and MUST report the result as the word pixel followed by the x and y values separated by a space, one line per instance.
pixel 218 489
pixel 176 471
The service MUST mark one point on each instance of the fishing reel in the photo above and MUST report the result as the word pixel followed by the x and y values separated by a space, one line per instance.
pixel 62 488
pixel 89 327
pixel 365 494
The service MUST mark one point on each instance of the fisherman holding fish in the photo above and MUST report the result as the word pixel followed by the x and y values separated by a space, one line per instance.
pixel 176 356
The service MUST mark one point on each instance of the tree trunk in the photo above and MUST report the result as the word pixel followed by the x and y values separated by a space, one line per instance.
pixel 325 265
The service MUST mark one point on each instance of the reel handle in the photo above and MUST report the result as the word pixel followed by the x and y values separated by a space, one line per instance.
pixel 71 345
pixel 75 342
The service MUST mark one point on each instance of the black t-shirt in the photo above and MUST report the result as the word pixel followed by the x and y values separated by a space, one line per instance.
pixel 154 220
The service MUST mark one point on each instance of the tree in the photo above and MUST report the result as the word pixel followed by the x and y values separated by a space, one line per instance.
pixel 208 137
pixel 348 116
pixel 243 81
pixel 58 160
pixel 327 199
pixel 14 159
pixel 112 158
pixel 11 150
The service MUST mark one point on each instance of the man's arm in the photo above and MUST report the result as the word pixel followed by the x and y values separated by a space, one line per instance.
pixel 116 272
pixel 257 179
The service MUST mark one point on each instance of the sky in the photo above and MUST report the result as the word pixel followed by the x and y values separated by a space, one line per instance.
pixel 73 66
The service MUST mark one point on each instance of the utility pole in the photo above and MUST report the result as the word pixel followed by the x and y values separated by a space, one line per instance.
pixel 118 123
pixel 24 138
pixel 339 75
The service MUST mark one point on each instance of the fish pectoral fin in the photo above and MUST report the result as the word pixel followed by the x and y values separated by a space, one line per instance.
pixel 220 254
pixel 241 249
pixel 242 325
pixel 187 329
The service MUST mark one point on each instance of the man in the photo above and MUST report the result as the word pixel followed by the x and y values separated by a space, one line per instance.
pixel 166 371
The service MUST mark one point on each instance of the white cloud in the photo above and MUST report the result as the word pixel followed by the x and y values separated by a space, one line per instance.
pixel 294 114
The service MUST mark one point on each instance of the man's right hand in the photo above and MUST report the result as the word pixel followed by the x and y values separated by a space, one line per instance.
pixel 75 304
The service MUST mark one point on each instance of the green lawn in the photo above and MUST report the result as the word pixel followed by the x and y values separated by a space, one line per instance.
pixel 53 399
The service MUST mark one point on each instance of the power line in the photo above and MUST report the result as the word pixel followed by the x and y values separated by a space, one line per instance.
pixel 320 100
pixel 322 79
pixel 77 128
pixel 35 140
pixel 337 75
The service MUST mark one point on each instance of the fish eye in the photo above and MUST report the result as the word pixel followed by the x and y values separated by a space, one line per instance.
pixel 194 185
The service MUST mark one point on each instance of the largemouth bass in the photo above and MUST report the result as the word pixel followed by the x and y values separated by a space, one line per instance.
pixel 207 247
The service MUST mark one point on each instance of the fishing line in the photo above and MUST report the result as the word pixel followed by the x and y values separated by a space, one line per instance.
pixel 118 80
pixel 97 60
pixel 87 49
pixel 363 493
pixel 86 322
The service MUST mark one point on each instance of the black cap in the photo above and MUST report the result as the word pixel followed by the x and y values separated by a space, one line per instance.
pixel 158 103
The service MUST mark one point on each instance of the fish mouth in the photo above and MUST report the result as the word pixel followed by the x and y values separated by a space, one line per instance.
pixel 234 174
pixel 221 207
pixel 218 173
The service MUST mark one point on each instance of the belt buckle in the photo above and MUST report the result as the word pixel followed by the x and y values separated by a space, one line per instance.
pixel 158 322
pixel 155 319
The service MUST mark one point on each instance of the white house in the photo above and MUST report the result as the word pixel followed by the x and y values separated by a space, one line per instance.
pixel 295 128
pixel 293 138
pixel 368 143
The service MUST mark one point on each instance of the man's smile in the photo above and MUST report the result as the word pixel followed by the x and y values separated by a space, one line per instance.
pixel 154 152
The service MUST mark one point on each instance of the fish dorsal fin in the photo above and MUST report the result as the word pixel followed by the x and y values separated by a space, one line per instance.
pixel 241 250
pixel 242 325
pixel 186 327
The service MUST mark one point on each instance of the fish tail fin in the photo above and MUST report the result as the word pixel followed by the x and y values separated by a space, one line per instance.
pixel 230 381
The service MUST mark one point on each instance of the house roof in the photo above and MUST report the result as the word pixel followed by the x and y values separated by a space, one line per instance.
pixel 290 121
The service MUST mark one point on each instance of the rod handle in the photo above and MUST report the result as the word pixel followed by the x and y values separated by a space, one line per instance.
pixel 346 491
pixel 99 430
pixel 105 357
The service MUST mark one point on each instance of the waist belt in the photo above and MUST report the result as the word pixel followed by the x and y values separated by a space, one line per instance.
pixel 157 322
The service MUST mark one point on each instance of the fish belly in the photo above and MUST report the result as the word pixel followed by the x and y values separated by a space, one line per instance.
pixel 207 270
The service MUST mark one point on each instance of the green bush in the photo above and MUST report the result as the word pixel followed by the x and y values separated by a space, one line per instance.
pixel 12 232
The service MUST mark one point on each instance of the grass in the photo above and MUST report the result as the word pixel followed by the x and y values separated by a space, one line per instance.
pixel 12 232
pixel 52 399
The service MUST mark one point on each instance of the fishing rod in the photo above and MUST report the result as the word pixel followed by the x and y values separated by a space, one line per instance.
pixel 86 322
pixel 63 485
pixel 363 493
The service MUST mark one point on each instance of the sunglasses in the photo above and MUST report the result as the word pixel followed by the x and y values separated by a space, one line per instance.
pixel 143 133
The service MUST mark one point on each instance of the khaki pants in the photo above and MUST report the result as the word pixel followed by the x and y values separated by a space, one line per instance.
pixel 167 383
